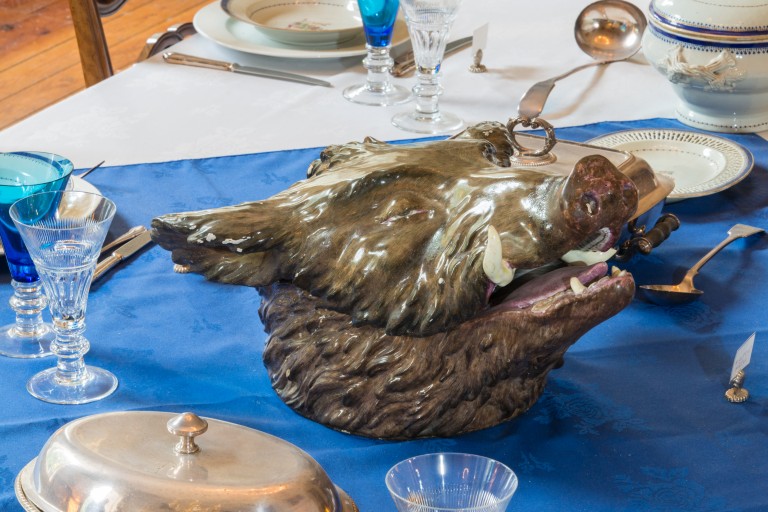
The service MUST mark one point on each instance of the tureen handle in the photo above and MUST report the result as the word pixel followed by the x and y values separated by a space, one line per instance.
pixel 535 123
pixel 187 426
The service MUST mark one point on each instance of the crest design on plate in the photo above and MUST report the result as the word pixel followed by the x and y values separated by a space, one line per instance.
pixel 307 24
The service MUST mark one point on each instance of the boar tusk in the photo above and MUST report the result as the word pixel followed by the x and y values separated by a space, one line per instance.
pixel 576 286
pixel 497 270
pixel 588 257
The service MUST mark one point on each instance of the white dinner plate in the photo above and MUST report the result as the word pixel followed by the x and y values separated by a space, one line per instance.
pixel 300 22
pixel 700 164
pixel 80 185
pixel 215 24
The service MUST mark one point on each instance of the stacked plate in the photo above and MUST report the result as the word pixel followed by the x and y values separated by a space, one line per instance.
pixel 301 29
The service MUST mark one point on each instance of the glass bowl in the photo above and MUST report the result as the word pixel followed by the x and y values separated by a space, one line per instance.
pixel 443 482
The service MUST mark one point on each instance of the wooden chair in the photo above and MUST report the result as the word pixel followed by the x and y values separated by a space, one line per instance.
pixel 92 43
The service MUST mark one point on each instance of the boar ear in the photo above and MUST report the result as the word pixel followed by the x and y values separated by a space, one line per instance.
pixel 232 245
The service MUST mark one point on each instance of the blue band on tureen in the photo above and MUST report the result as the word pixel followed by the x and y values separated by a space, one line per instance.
pixel 741 47
pixel 735 32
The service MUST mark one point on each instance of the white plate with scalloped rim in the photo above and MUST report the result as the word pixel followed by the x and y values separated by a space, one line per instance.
pixel 701 164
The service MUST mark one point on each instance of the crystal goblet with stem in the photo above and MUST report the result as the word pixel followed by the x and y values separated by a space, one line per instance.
pixel 22 174
pixel 429 23
pixel 64 232
pixel 378 23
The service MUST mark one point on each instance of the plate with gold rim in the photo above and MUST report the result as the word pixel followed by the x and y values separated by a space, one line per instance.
pixel 701 164
pixel 300 22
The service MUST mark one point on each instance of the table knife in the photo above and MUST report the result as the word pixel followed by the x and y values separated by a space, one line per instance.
pixel 190 60
pixel 406 62
pixel 128 235
pixel 121 253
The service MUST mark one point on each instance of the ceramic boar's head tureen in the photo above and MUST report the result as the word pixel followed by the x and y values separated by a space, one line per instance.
pixel 402 285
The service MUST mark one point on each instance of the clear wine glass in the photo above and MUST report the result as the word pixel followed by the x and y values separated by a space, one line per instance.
pixel 429 23
pixel 64 232
pixel 378 22
pixel 22 174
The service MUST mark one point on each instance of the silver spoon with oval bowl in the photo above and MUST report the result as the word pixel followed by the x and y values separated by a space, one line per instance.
pixel 684 291
pixel 606 30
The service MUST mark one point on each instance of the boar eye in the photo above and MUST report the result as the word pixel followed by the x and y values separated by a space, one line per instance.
pixel 589 204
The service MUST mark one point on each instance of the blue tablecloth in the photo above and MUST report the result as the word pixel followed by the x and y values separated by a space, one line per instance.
pixel 634 421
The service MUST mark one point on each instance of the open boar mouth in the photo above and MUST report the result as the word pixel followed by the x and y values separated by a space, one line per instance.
pixel 543 288
pixel 580 272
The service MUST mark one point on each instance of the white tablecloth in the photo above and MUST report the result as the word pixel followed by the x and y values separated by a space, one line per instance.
pixel 156 111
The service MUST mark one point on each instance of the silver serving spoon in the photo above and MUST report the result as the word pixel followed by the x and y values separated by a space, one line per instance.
pixel 606 30
pixel 684 291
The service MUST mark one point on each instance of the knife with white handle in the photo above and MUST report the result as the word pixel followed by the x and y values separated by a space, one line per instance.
pixel 121 253
pixel 190 60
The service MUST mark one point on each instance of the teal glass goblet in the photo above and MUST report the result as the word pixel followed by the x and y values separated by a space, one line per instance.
pixel 22 174
pixel 378 23
pixel 64 232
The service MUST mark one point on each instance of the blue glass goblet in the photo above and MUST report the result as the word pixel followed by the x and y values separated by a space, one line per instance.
pixel 64 232
pixel 378 22
pixel 22 174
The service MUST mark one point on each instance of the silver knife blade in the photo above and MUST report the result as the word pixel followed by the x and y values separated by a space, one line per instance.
pixel 121 253
pixel 406 63
pixel 190 60
pixel 128 235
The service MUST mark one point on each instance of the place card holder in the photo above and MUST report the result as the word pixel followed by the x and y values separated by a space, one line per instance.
pixel 737 393
pixel 479 40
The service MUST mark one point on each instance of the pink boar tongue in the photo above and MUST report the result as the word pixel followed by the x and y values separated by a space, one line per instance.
pixel 551 283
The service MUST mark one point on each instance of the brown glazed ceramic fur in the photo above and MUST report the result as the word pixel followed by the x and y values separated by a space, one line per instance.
pixel 385 279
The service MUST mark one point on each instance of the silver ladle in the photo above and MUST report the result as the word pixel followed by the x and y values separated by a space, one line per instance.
pixel 606 30
pixel 684 291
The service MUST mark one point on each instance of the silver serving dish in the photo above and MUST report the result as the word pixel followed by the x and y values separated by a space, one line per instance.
pixel 128 461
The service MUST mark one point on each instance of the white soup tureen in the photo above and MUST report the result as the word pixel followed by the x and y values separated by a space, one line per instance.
pixel 715 54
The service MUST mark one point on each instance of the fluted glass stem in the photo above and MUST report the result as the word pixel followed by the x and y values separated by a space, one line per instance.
pixel 427 92
pixel 69 347
pixel 71 381
pixel 28 302
pixel 29 336
pixel 378 63
pixel 378 88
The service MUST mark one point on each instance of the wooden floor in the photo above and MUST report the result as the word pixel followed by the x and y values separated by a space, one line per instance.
pixel 39 61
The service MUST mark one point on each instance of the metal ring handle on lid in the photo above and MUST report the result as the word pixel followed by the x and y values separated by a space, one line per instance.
pixel 534 123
